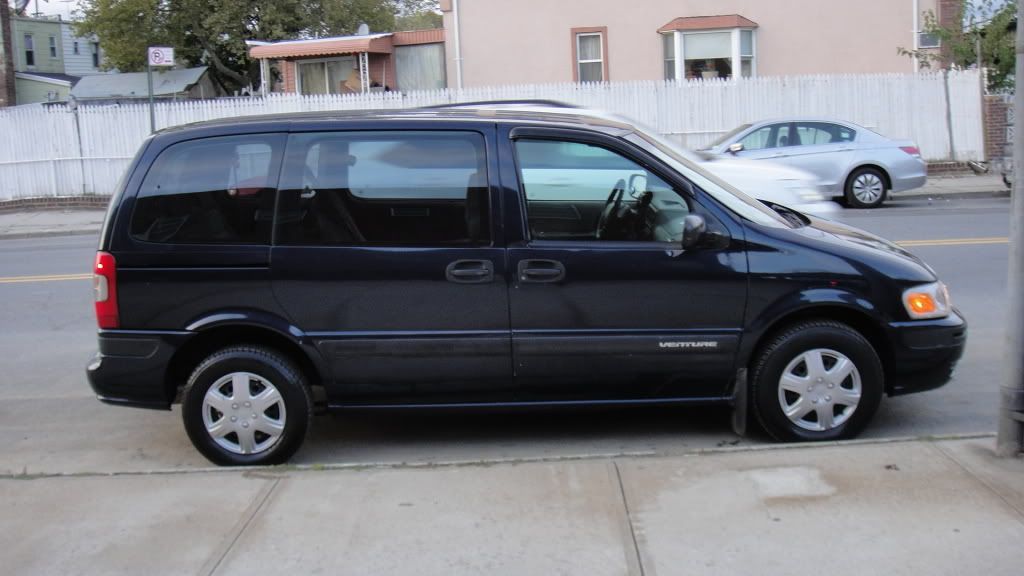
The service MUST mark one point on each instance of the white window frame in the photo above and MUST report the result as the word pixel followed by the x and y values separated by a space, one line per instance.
pixel 53 47
pixel 736 58
pixel 922 46
pixel 29 46
pixel 579 60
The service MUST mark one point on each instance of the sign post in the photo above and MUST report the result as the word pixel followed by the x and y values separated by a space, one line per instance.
pixel 156 56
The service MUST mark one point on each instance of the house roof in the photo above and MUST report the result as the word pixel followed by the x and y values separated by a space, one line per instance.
pixel 134 84
pixel 372 43
pixel 49 77
pixel 708 23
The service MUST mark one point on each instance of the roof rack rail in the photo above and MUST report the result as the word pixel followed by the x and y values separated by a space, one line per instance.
pixel 526 102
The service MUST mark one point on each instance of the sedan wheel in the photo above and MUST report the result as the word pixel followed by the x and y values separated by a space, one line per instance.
pixel 865 188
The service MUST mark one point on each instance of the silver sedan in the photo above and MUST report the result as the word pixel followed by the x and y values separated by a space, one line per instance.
pixel 851 161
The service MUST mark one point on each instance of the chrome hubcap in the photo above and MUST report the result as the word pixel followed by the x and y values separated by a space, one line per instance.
pixel 868 188
pixel 819 390
pixel 244 413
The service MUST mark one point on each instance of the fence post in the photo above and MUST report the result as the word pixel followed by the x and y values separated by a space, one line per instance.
pixel 949 115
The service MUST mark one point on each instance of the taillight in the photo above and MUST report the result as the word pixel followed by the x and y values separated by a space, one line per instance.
pixel 912 150
pixel 104 284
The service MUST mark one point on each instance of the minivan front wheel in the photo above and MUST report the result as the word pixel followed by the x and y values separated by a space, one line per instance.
pixel 817 380
pixel 246 405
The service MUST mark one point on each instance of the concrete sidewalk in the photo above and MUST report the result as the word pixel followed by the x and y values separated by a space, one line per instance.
pixel 911 507
pixel 39 223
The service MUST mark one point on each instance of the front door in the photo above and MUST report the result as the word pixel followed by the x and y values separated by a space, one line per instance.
pixel 605 303
pixel 386 256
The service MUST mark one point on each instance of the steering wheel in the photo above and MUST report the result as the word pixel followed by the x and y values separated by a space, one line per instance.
pixel 610 214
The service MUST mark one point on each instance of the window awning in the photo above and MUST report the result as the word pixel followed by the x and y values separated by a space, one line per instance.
pixel 708 23
pixel 374 44
pixel 383 43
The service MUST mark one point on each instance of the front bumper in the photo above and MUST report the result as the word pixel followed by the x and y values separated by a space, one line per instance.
pixel 924 353
pixel 130 368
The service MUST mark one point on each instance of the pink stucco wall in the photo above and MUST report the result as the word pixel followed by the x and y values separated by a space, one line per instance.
pixel 528 41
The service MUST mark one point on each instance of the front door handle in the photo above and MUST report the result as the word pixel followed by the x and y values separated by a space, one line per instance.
pixel 541 271
pixel 470 272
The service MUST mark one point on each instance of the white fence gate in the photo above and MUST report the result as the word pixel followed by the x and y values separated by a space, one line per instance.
pixel 58 151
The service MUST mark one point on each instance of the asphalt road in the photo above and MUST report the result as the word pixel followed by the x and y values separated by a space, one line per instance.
pixel 51 423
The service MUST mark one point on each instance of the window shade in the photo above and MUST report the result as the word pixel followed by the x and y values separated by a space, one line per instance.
pixel 709 45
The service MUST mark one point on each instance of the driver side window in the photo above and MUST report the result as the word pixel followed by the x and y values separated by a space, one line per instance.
pixel 577 191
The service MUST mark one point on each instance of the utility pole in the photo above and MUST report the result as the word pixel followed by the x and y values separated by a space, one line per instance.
pixel 1010 440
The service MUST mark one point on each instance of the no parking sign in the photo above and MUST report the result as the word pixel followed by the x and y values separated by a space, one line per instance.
pixel 160 56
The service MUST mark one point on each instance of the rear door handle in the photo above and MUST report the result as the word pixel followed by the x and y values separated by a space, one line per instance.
pixel 470 272
pixel 541 271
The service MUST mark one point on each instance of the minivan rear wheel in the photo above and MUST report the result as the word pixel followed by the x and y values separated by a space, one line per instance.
pixel 245 406
pixel 816 380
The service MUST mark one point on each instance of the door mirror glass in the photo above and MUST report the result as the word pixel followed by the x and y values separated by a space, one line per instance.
pixel 694 228
pixel 637 185
pixel 736 147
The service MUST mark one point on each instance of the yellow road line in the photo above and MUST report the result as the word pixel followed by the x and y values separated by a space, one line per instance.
pixel 44 278
pixel 955 241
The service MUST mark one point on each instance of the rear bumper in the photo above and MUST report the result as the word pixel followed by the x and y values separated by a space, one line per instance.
pixel 908 175
pixel 130 368
pixel 924 353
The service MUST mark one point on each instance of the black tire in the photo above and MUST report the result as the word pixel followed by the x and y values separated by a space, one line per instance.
pixel 851 198
pixel 266 364
pixel 789 344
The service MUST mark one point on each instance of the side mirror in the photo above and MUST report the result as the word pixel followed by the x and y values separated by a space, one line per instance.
pixel 637 185
pixel 736 148
pixel 694 228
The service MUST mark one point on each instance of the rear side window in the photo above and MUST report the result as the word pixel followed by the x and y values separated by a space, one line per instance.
pixel 384 188
pixel 210 191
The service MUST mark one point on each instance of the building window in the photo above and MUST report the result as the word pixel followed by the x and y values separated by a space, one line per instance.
pixel 30 52
pixel 668 42
pixel 709 54
pixel 925 40
pixel 95 54
pixel 53 46
pixel 333 76
pixel 74 47
pixel 590 59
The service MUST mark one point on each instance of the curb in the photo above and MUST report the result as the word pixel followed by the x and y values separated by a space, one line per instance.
pixel 49 234
pixel 273 471
pixel 965 195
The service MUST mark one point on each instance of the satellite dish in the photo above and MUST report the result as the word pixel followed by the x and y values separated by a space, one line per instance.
pixel 364 30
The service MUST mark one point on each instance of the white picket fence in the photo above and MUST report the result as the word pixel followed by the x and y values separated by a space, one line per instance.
pixel 57 151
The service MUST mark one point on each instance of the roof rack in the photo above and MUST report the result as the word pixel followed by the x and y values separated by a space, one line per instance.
pixel 527 102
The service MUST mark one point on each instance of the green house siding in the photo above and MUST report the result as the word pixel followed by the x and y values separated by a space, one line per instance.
pixel 41 31
pixel 32 91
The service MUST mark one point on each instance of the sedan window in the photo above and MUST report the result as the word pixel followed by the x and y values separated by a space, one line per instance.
pixel 817 133
pixel 772 136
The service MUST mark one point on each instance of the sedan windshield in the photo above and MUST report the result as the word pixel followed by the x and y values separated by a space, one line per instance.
pixel 688 163
pixel 726 137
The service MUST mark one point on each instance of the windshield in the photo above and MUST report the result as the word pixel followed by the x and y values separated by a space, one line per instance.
pixel 688 163
pixel 726 137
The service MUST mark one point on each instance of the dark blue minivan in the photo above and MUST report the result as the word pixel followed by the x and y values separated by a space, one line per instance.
pixel 254 269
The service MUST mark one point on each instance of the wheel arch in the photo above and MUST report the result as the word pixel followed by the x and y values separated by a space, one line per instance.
pixel 860 320
pixel 226 329
pixel 886 178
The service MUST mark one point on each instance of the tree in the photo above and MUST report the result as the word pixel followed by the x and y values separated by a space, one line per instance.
pixel 214 33
pixel 993 22
pixel 418 15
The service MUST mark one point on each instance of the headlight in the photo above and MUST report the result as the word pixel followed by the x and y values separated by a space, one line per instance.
pixel 927 301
